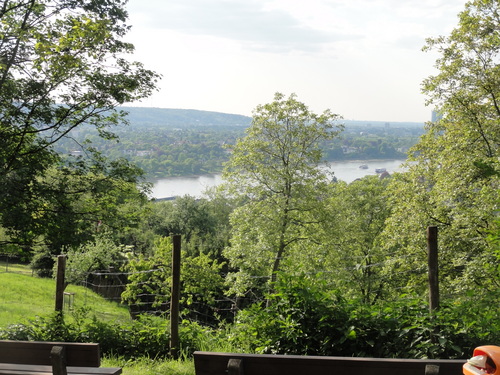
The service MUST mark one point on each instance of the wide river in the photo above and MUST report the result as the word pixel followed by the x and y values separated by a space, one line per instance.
pixel 194 186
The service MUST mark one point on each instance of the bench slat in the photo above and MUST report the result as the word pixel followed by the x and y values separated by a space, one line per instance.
pixel 77 354
pixel 208 363
pixel 10 368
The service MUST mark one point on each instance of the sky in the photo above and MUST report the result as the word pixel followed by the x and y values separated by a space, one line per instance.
pixel 362 59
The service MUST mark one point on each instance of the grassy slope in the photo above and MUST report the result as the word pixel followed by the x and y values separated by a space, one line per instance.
pixel 23 297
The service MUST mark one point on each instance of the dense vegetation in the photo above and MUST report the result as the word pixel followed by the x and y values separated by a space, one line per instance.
pixel 280 259
pixel 165 143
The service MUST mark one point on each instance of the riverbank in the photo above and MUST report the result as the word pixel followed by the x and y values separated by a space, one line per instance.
pixel 195 186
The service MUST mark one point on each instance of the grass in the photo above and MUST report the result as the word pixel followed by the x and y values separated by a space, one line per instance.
pixel 23 297
pixel 147 366
pixel 9 266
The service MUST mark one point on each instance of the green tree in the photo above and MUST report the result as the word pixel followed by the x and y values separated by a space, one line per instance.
pixel 149 286
pixel 453 178
pixel 203 223
pixel 275 168
pixel 99 255
pixel 77 204
pixel 62 67
pixel 351 252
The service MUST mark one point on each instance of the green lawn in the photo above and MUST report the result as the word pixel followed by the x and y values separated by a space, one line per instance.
pixel 24 297
pixel 6 266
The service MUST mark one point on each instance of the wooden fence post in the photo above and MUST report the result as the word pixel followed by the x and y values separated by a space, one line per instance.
pixel 175 297
pixel 61 270
pixel 432 258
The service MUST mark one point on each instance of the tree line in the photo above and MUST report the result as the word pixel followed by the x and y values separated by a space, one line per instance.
pixel 166 151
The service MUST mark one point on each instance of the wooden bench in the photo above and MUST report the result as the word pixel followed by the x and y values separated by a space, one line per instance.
pixel 42 357
pixel 209 363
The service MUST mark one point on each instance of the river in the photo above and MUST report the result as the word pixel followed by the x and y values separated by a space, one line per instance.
pixel 194 186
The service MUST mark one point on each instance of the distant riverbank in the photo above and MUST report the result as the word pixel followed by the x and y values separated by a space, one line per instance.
pixel 195 186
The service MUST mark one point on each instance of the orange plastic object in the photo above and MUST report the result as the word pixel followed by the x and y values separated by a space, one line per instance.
pixel 490 365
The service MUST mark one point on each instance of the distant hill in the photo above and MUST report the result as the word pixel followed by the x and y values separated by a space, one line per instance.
pixel 183 117
pixel 146 116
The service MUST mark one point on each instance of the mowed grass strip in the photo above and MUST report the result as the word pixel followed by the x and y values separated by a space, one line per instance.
pixel 148 366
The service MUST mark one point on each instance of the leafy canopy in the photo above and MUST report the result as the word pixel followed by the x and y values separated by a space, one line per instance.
pixel 275 170
pixel 62 67
pixel 453 178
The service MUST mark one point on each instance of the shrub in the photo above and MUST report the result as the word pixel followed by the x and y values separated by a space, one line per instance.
pixel 304 317
pixel 147 336
pixel 299 318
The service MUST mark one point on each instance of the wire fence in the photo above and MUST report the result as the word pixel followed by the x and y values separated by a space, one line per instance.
pixel 150 299
pixel 13 263
pixel 153 298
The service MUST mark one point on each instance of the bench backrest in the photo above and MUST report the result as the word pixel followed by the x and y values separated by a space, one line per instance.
pixel 38 353
pixel 209 363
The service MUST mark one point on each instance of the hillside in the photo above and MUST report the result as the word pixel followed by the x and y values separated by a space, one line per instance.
pixel 140 116
pixel 146 116
pixel 25 297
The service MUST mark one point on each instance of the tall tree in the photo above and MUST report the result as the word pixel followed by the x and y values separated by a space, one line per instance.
pixel 62 66
pixel 454 180
pixel 275 169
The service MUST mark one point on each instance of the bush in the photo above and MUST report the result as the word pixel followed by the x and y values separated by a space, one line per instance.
pixel 303 317
pixel 299 318
pixel 147 336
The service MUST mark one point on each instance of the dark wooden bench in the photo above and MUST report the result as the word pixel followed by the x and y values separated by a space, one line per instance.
pixel 209 363
pixel 40 357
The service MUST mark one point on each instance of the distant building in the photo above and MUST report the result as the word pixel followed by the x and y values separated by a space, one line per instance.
pixel 76 153
pixel 349 150
pixel 436 116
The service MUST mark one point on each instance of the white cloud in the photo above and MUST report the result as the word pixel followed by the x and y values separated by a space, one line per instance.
pixel 249 22
pixel 361 58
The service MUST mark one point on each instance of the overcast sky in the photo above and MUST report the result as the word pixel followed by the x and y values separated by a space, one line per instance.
pixel 360 58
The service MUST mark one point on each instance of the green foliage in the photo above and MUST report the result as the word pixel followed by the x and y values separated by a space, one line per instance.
pixel 350 247
pixel 275 167
pixel 63 66
pixel 97 256
pixel 79 204
pixel 148 287
pixel 145 337
pixel 186 216
pixel 149 283
pixel 202 223
pixel 306 317
pixel 295 320
pixel 142 337
pixel 452 181
pixel 201 280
